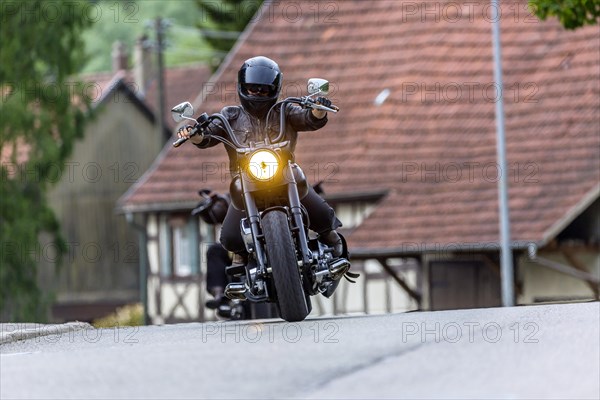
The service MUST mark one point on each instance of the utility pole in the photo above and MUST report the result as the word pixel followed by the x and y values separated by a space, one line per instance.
pixel 506 259
pixel 160 26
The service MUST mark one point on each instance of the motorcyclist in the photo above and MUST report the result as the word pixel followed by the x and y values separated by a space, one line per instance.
pixel 259 85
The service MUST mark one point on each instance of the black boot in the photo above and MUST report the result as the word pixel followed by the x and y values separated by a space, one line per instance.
pixel 333 240
pixel 238 265
pixel 219 298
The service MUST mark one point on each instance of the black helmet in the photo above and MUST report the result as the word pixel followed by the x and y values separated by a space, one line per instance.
pixel 263 75
pixel 213 208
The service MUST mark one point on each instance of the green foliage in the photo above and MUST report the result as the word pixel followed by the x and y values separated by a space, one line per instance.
pixel 126 20
pixel 129 315
pixel 226 16
pixel 39 54
pixel 572 14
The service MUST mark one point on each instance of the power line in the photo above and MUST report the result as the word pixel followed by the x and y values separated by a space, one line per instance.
pixel 192 51
pixel 217 34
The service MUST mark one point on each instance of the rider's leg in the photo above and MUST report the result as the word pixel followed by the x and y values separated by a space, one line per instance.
pixel 323 221
pixel 217 259
pixel 231 237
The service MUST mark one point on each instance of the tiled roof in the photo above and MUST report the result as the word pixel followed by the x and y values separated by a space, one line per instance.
pixel 180 83
pixel 431 144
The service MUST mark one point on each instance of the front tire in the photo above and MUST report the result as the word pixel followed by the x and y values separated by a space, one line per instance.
pixel 281 256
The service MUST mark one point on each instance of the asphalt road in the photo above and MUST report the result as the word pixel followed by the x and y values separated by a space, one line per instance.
pixel 550 351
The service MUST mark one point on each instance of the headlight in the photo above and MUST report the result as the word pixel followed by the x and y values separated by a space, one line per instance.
pixel 263 165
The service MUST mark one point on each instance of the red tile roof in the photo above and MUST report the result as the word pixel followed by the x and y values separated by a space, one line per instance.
pixel 431 145
pixel 180 83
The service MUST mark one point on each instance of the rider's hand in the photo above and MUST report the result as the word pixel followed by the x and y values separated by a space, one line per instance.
pixel 324 101
pixel 184 132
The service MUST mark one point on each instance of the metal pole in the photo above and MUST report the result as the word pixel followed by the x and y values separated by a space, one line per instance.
pixel 506 261
pixel 160 26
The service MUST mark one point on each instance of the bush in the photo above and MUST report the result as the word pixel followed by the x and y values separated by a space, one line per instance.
pixel 129 315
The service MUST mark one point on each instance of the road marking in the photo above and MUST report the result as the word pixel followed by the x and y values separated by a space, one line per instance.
pixel 19 354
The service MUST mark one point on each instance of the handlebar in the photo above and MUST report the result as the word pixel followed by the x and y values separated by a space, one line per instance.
pixel 332 109
pixel 310 103
pixel 203 121
pixel 182 140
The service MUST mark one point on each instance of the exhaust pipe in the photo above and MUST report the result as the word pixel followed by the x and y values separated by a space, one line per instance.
pixel 339 267
pixel 236 291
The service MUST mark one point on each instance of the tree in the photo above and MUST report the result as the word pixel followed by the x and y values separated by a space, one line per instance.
pixel 126 20
pixel 42 113
pixel 219 18
pixel 572 14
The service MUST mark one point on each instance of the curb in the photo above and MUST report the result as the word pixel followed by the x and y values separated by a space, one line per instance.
pixel 14 332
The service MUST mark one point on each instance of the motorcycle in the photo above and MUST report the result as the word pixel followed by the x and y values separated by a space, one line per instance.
pixel 212 209
pixel 285 265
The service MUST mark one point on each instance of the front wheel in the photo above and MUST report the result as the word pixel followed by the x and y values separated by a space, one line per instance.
pixel 281 256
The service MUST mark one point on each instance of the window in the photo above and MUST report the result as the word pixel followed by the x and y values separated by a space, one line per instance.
pixel 353 213
pixel 179 245
pixel 182 251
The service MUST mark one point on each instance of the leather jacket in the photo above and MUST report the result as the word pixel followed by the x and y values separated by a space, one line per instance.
pixel 251 129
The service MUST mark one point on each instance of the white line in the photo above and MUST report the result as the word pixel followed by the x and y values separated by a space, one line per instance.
pixel 19 354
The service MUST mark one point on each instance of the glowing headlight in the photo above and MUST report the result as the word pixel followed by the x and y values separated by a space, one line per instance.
pixel 263 165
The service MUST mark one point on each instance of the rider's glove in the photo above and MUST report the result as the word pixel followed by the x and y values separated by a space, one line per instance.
pixel 184 131
pixel 324 101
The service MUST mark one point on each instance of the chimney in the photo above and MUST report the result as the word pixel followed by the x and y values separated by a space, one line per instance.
pixel 143 71
pixel 119 56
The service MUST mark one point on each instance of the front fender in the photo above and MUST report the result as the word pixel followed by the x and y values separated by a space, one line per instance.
pixel 291 173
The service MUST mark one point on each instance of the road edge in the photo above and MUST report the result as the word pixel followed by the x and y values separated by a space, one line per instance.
pixel 13 332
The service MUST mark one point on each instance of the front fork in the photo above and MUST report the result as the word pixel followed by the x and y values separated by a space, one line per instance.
pixel 296 210
pixel 254 221
pixel 297 222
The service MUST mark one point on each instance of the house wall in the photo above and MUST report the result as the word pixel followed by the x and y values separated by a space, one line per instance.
pixel 176 294
pixel 102 260
pixel 181 301
pixel 541 283
pixel 373 293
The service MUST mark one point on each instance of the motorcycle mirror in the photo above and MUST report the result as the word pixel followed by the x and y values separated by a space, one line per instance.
pixel 318 86
pixel 182 111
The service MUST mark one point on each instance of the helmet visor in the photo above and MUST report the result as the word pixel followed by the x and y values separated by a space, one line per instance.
pixel 264 80
pixel 253 89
